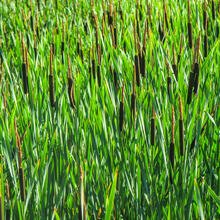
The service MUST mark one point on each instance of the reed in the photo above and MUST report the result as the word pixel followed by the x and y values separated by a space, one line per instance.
pixel 174 66
pixel 90 65
pixel 196 67
pixel 115 29
pixel 62 44
pixel 120 10
pixel 161 33
pixel 21 171
pixel 143 54
pixel 70 85
pixel 172 139
pixel 93 61
pixel 137 63
pixel 121 109
pixel 181 129
pixel 180 50
pixel 190 38
pixel 24 67
pixel 1 199
pixel 205 41
pixel 51 79
pixel 213 10
pixel 153 130
pixel 133 98
pixel 99 66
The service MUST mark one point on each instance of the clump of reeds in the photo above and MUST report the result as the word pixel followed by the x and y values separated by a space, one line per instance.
pixel 153 130
pixel 181 129
pixel 21 171
pixel 70 85
pixel 133 98
pixel 168 78
pixel 190 38
pixel 121 109
pixel 137 63
pixel 172 139
pixel 24 67
pixel 51 82
pixel 82 201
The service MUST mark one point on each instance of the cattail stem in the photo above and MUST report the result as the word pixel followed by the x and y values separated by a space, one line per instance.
pixel 213 10
pixel 8 197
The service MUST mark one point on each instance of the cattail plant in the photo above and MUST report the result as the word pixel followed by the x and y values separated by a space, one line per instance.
pixel 175 70
pixel 133 98
pixel 90 65
pixel 82 201
pixel 165 14
pixel 1 199
pixel 81 48
pixel 115 29
pixel 143 54
pixel 137 63
pixel 110 14
pixel 137 22
pixel 93 62
pixel 152 127
pixel 21 171
pixel 99 66
pixel 189 26
pixel 104 12
pixel 37 27
pixel 160 30
pixel 24 67
pixel 181 129
pixel 31 17
pixel 196 67
pixel 62 44
pixel 35 46
pixel 172 140
pixel 205 40
pixel 70 85
pixel 51 82
pixel 180 51
pixel 191 78
pixel 168 78
pixel 8 201
pixel 120 10
pixel 213 10
pixel 121 109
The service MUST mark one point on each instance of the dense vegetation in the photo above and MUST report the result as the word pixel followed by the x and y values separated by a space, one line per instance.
pixel 109 109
